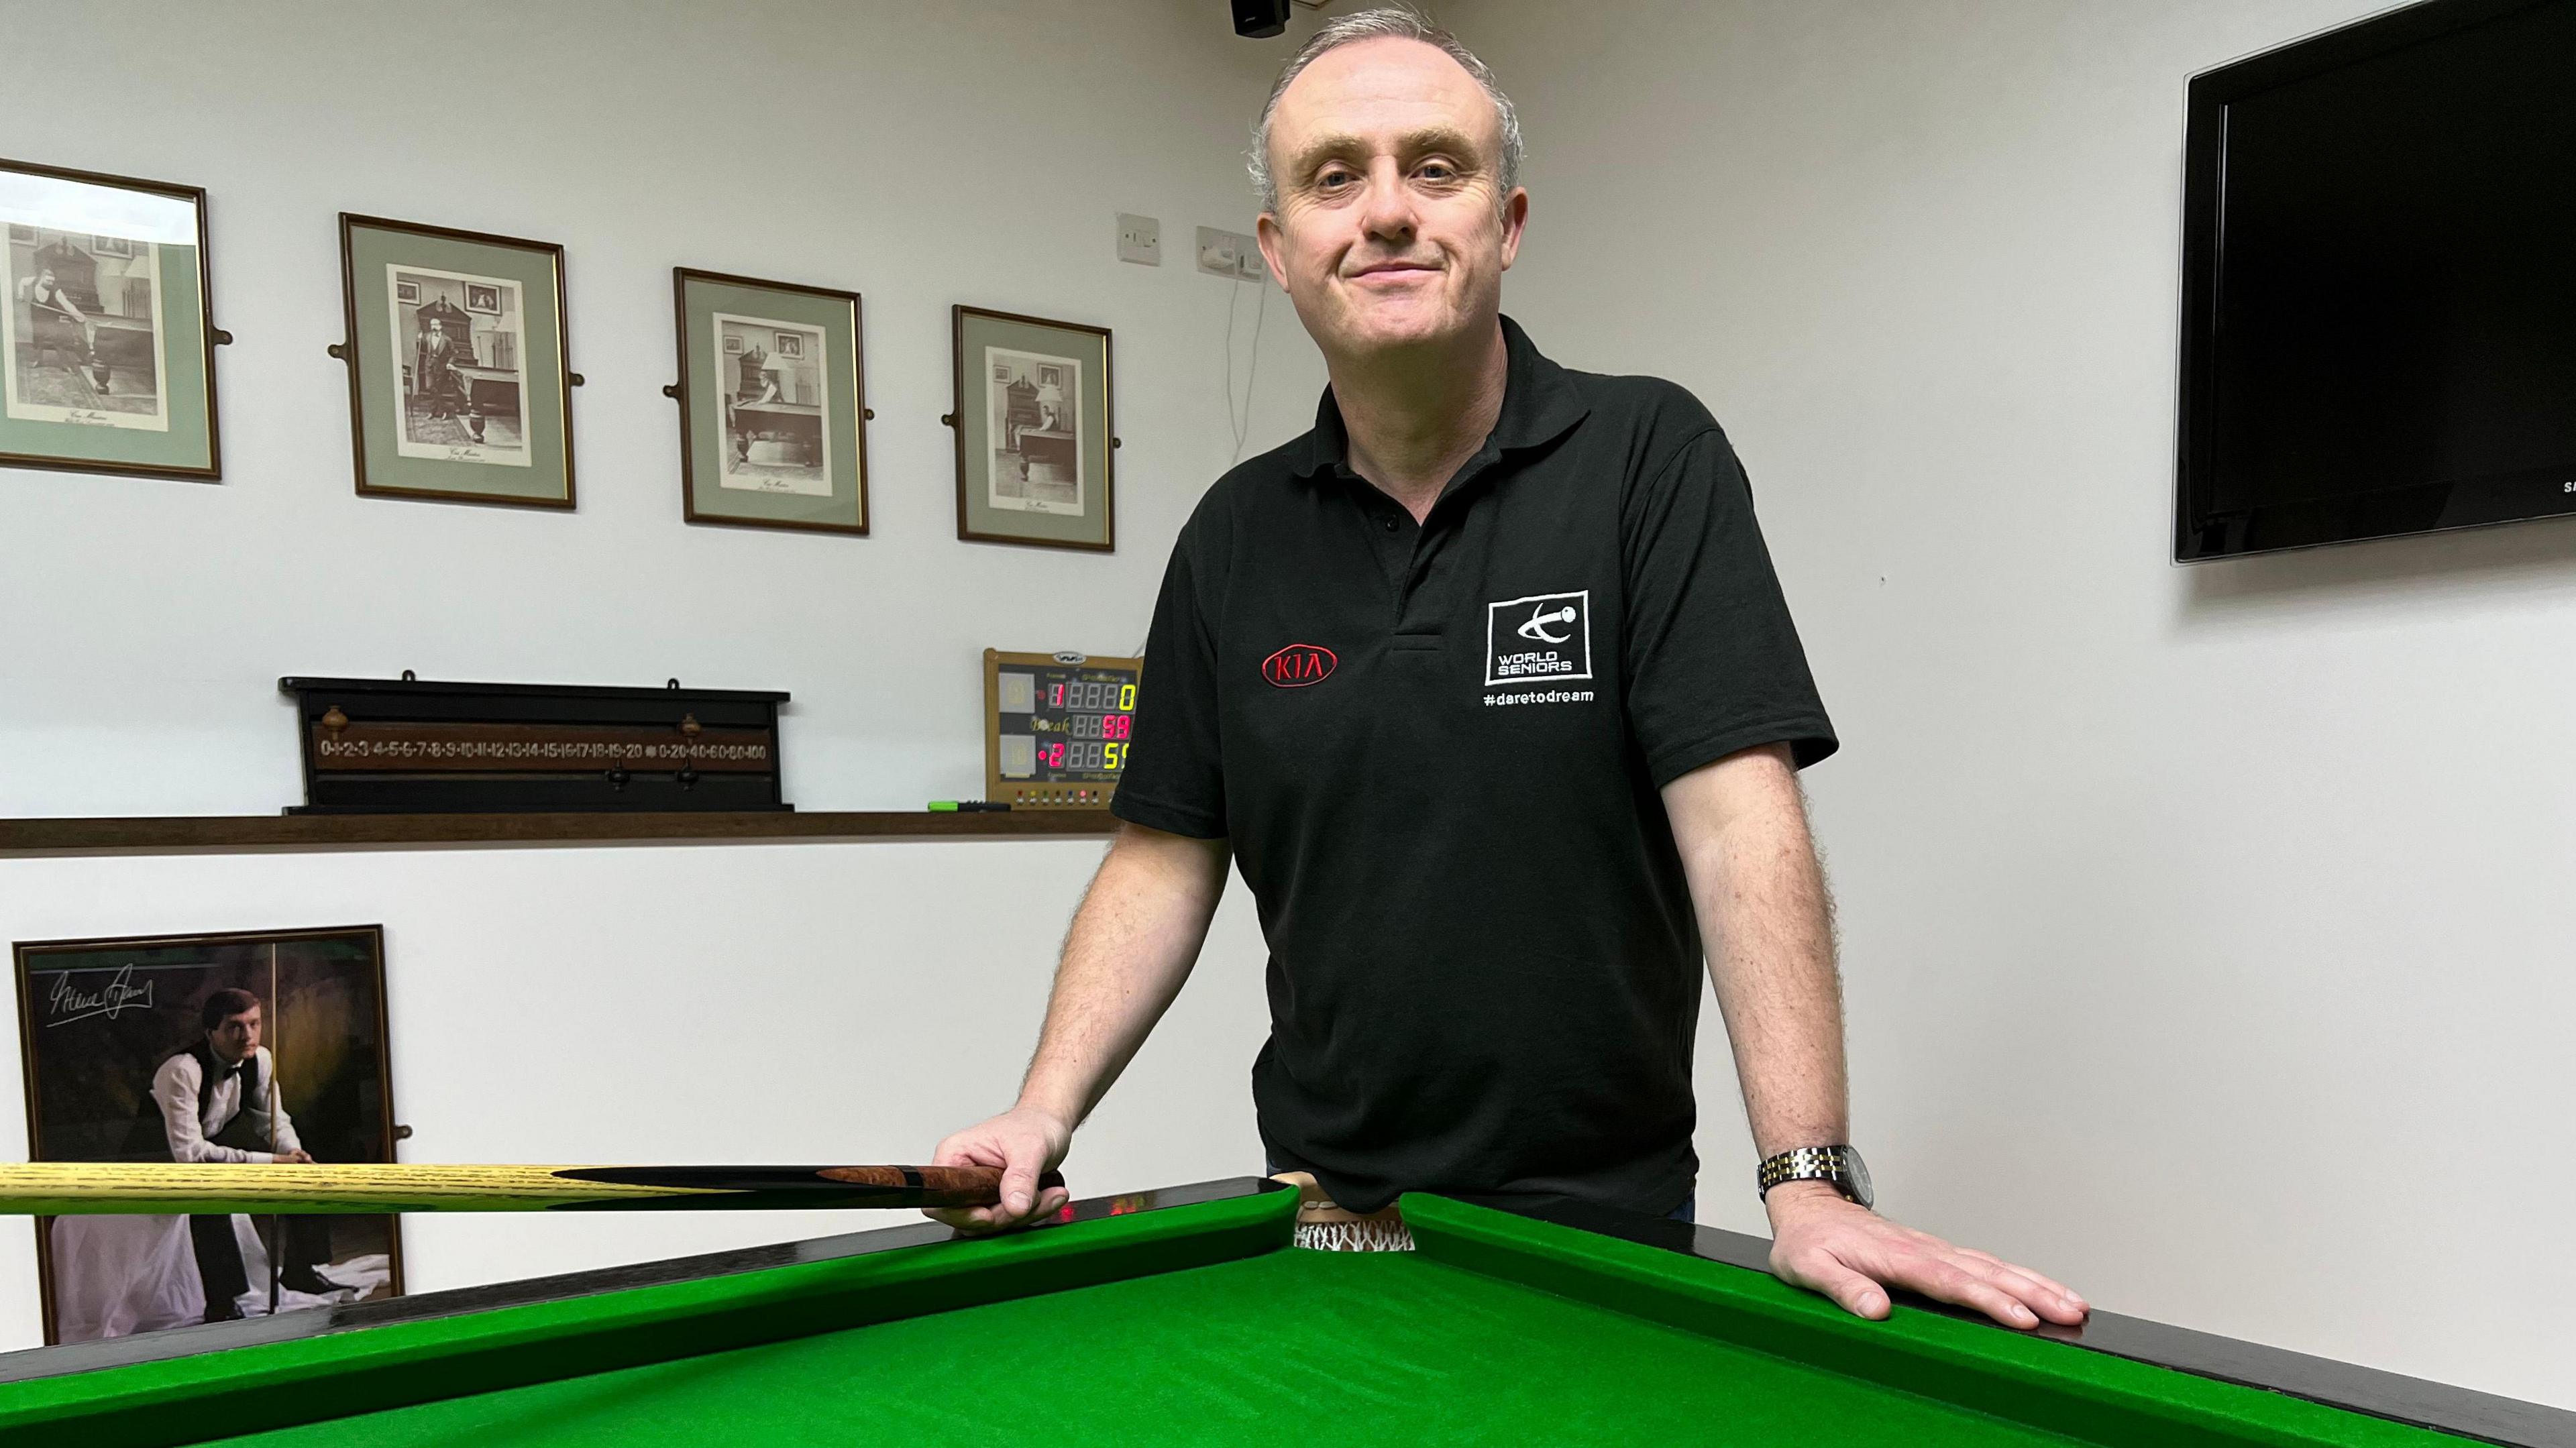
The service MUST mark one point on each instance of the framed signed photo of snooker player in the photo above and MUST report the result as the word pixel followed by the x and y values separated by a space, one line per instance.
pixel 773 404
pixel 1033 424
pixel 239 1047
pixel 107 340
pixel 459 387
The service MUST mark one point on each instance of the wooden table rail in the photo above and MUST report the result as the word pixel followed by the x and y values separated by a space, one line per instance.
pixel 187 834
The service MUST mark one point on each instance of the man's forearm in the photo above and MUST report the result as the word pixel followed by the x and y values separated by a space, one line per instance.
pixel 278 1131
pixel 1767 924
pixel 1127 955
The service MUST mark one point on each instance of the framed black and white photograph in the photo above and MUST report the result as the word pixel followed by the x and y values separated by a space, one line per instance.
pixel 243 1047
pixel 773 418
pixel 106 340
pixel 772 410
pixel 1033 423
pixel 463 394
pixel 91 350
pixel 458 383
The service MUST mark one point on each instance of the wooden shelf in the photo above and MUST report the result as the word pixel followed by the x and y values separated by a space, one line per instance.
pixel 189 834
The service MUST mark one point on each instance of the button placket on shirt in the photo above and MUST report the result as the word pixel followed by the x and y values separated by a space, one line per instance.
pixel 1390 546
pixel 1408 574
pixel 1427 542
pixel 1447 517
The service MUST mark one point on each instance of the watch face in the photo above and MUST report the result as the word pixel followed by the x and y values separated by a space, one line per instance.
pixel 1858 1171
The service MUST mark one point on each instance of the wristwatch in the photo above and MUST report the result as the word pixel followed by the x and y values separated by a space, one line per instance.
pixel 1839 1165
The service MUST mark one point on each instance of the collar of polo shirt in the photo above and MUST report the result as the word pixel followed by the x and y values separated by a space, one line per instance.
pixel 1539 405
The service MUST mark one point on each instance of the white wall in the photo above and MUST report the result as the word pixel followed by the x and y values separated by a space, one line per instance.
pixel 789 1003
pixel 906 152
pixel 2206 931
pixel 2204 928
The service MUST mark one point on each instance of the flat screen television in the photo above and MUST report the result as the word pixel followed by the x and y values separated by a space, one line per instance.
pixel 2379 282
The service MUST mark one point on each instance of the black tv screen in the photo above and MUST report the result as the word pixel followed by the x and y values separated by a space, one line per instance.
pixel 2379 281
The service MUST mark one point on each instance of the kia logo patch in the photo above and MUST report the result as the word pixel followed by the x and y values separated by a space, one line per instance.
pixel 1298 665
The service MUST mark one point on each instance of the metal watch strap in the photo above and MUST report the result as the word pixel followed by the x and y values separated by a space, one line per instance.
pixel 1832 1164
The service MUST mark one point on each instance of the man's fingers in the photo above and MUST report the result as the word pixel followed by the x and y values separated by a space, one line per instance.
pixel 2046 1296
pixel 964 1150
pixel 1020 1187
pixel 2037 1293
pixel 1955 1281
pixel 1998 1290
pixel 995 1219
pixel 2041 1288
pixel 1857 1259
pixel 968 1150
pixel 1823 1272
pixel 1021 1144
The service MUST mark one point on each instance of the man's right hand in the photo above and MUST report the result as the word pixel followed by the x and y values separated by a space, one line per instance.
pixel 1131 946
pixel 1025 1143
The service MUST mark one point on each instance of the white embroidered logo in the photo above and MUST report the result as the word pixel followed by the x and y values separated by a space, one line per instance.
pixel 1543 638
pixel 1536 629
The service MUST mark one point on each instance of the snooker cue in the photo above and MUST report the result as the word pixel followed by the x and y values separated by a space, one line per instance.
pixel 84 1188
pixel 275 1051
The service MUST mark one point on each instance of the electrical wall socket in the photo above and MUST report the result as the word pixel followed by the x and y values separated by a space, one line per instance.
pixel 1140 240
pixel 1229 254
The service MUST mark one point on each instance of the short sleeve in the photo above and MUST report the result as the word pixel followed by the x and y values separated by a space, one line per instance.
pixel 1175 775
pixel 1714 665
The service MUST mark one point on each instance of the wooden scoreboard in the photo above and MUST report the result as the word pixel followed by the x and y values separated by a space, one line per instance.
pixel 1056 728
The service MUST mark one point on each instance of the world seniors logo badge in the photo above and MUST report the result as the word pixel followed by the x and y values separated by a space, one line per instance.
pixel 1545 638
pixel 1299 665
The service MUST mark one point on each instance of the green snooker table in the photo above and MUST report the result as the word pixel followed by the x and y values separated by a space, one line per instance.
pixel 1185 1317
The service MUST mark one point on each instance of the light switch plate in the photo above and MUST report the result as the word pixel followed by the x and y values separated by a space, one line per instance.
pixel 1140 240
pixel 1228 254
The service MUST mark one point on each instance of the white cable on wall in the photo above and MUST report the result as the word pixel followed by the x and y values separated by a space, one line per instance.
pixel 1242 423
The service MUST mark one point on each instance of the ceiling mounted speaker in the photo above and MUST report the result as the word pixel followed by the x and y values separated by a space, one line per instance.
pixel 1260 19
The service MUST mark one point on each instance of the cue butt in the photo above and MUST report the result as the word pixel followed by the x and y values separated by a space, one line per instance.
pixel 939 1186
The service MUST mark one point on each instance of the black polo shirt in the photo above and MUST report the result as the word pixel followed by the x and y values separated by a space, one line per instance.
pixel 1436 751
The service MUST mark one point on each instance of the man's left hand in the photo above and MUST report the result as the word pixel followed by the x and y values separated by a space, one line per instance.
pixel 1825 1243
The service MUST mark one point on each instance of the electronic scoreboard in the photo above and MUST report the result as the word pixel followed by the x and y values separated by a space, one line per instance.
pixel 1056 728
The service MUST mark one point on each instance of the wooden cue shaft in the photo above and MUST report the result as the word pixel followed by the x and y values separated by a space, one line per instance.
pixel 49 1188
pixel 277 1018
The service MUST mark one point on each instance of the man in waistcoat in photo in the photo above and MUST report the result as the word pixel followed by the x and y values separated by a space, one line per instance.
pixel 215 1101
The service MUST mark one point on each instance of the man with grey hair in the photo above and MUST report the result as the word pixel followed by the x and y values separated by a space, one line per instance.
pixel 1486 685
